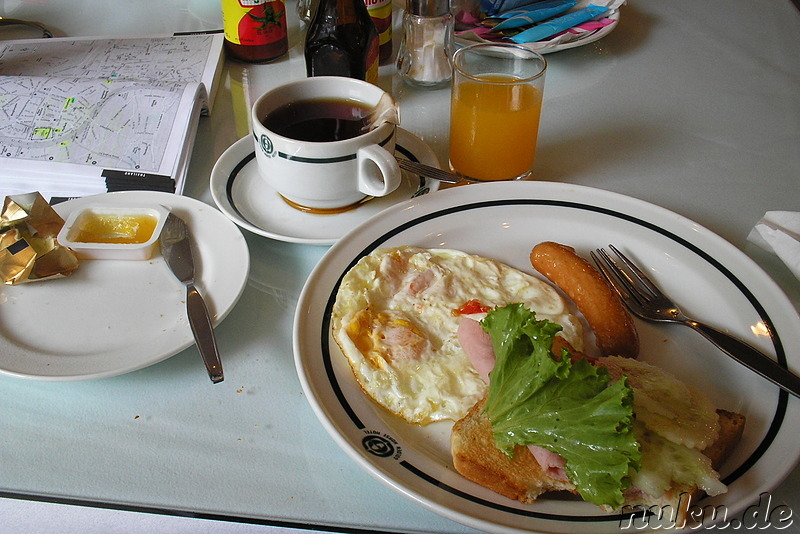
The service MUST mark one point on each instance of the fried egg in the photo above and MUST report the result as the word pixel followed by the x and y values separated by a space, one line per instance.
pixel 396 319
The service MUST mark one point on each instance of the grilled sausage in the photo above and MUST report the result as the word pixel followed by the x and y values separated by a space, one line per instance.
pixel 595 298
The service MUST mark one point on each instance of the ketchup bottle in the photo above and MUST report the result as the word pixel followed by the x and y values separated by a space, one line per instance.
pixel 255 30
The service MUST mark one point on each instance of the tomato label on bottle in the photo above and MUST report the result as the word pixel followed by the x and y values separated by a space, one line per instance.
pixel 371 74
pixel 381 13
pixel 254 22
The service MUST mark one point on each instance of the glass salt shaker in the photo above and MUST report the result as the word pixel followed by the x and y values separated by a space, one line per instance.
pixel 426 48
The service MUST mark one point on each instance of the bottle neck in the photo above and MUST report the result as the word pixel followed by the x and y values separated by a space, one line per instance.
pixel 340 11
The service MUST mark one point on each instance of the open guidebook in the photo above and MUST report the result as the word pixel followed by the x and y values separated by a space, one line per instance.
pixel 80 116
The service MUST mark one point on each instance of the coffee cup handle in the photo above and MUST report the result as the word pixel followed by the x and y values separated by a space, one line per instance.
pixel 378 171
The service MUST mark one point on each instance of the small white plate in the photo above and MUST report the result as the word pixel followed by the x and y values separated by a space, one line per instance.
pixel 558 43
pixel 115 316
pixel 250 202
pixel 708 276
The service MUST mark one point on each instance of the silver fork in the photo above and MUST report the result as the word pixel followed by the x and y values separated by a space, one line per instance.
pixel 645 300
pixel 429 172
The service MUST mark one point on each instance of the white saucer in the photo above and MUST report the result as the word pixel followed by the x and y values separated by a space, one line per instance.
pixel 250 202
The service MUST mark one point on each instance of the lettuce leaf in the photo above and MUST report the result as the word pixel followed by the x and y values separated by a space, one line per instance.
pixel 566 407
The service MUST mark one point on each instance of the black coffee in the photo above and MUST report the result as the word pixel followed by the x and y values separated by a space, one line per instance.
pixel 321 120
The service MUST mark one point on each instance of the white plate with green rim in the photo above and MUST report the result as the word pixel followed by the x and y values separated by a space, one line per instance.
pixel 708 276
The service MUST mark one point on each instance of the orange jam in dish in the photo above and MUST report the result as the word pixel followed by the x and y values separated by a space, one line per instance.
pixel 130 229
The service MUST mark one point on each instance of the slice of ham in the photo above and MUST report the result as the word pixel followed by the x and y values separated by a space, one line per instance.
pixel 478 346
pixel 551 462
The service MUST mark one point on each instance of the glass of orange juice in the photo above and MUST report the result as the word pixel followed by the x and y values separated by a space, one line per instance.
pixel 494 114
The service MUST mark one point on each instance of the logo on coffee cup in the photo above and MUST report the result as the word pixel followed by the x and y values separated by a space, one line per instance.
pixel 266 146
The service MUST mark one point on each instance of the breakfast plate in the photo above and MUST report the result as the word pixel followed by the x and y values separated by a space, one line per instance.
pixel 115 316
pixel 250 202
pixel 711 279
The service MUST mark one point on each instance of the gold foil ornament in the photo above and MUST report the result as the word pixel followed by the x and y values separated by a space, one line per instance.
pixel 29 250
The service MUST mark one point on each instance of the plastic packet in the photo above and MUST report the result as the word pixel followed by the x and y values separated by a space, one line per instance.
pixel 493 7
pixel 530 15
pixel 560 24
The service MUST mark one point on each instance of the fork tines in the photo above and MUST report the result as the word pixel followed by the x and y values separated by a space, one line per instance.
pixel 627 279
pixel 645 300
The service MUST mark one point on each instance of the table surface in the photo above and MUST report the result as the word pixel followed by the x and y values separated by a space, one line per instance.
pixel 693 106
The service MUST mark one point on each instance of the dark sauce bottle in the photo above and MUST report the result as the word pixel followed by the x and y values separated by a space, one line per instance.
pixel 342 40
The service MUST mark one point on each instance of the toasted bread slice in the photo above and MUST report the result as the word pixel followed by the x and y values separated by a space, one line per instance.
pixel 477 458
pixel 731 427
pixel 521 478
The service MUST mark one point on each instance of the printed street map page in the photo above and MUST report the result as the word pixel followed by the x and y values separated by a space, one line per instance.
pixel 104 123
pixel 180 59
pixel 77 112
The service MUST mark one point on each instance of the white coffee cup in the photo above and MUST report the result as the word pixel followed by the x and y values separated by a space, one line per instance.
pixel 325 175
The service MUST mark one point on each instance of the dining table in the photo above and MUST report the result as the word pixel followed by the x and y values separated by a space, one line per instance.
pixel 691 106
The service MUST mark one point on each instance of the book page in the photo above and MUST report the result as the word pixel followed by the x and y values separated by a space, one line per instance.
pixel 103 123
pixel 73 109
pixel 183 58
pixel 62 130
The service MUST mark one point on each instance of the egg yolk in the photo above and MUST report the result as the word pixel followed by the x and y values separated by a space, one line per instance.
pixel 383 338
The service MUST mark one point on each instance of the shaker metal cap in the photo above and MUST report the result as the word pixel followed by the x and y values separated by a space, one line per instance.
pixel 428 8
